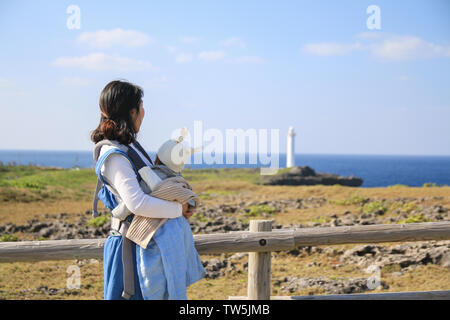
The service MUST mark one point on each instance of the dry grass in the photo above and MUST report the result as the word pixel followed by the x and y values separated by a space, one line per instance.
pixel 17 278
pixel 21 280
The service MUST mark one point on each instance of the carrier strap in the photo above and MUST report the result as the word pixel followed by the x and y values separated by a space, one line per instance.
pixel 95 201
pixel 135 159
pixel 127 263
pixel 127 252
pixel 142 150
pixel 103 158
pixel 101 181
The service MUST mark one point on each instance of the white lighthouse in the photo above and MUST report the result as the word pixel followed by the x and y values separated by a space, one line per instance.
pixel 290 159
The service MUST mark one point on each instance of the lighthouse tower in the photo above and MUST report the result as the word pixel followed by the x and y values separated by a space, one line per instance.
pixel 290 160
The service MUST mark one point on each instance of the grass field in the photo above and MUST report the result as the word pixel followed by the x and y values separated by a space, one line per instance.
pixel 31 192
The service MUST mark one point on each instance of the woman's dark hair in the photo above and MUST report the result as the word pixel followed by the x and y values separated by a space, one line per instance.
pixel 117 99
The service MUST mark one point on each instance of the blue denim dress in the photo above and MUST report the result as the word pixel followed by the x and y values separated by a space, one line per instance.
pixel 170 263
pixel 163 270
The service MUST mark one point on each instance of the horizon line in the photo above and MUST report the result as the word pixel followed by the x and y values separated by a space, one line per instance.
pixel 246 153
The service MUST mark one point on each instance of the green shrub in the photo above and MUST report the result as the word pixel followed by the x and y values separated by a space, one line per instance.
pixel 429 185
pixel 244 220
pixel 321 220
pixel 200 217
pixel 257 210
pixel 8 238
pixel 204 196
pixel 409 206
pixel 355 199
pixel 99 221
pixel 33 185
pixel 405 207
pixel 415 219
pixel 373 206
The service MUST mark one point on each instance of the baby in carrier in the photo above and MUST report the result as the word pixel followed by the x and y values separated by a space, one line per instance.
pixel 167 261
pixel 164 180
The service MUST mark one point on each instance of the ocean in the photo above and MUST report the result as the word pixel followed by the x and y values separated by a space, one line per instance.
pixel 375 170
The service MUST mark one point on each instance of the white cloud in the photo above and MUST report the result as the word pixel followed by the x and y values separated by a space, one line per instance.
pixel 103 39
pixel 381 45
pixel 331 48
pixel 369 35
pixel 183 58
pixel 211 55
pixel 233 42
pixel 408 47
pixel 102 62
pixel 189 40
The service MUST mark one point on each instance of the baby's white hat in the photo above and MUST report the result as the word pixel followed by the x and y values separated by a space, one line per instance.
pixel 174 154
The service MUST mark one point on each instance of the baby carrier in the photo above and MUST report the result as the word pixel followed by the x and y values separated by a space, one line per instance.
pixel 107 194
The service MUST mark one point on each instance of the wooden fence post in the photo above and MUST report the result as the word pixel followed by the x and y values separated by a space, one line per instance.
pixel 259 265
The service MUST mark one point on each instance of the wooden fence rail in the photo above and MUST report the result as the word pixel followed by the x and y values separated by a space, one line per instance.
pixel 277 240
pixel 255 241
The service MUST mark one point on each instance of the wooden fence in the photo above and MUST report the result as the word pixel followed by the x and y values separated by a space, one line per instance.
pixel 259 242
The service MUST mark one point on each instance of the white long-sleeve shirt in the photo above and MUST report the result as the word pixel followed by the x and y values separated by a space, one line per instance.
pixel 118 172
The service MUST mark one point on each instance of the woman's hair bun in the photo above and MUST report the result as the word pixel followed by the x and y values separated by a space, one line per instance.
pixel 108 128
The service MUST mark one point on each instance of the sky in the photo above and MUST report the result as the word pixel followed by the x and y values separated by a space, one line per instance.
pixel 348 79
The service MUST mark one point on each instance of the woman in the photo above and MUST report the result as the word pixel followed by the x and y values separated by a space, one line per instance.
pixel 166 274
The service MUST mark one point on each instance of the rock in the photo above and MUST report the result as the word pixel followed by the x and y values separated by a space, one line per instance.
pixel 331 252
pixel 302 171
pixel 294 252
pixel 314 264
pixel 46 232
pixel 431 213
pixel 407 256
pixel 82 262
pixel 307 176
pixel 227 208
pixel 62 216
pixel 215 268
pixel 439 255
pixel 36 227
pixel 50 291
pixel 340 286
pixel 445 260
pixel 238 256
